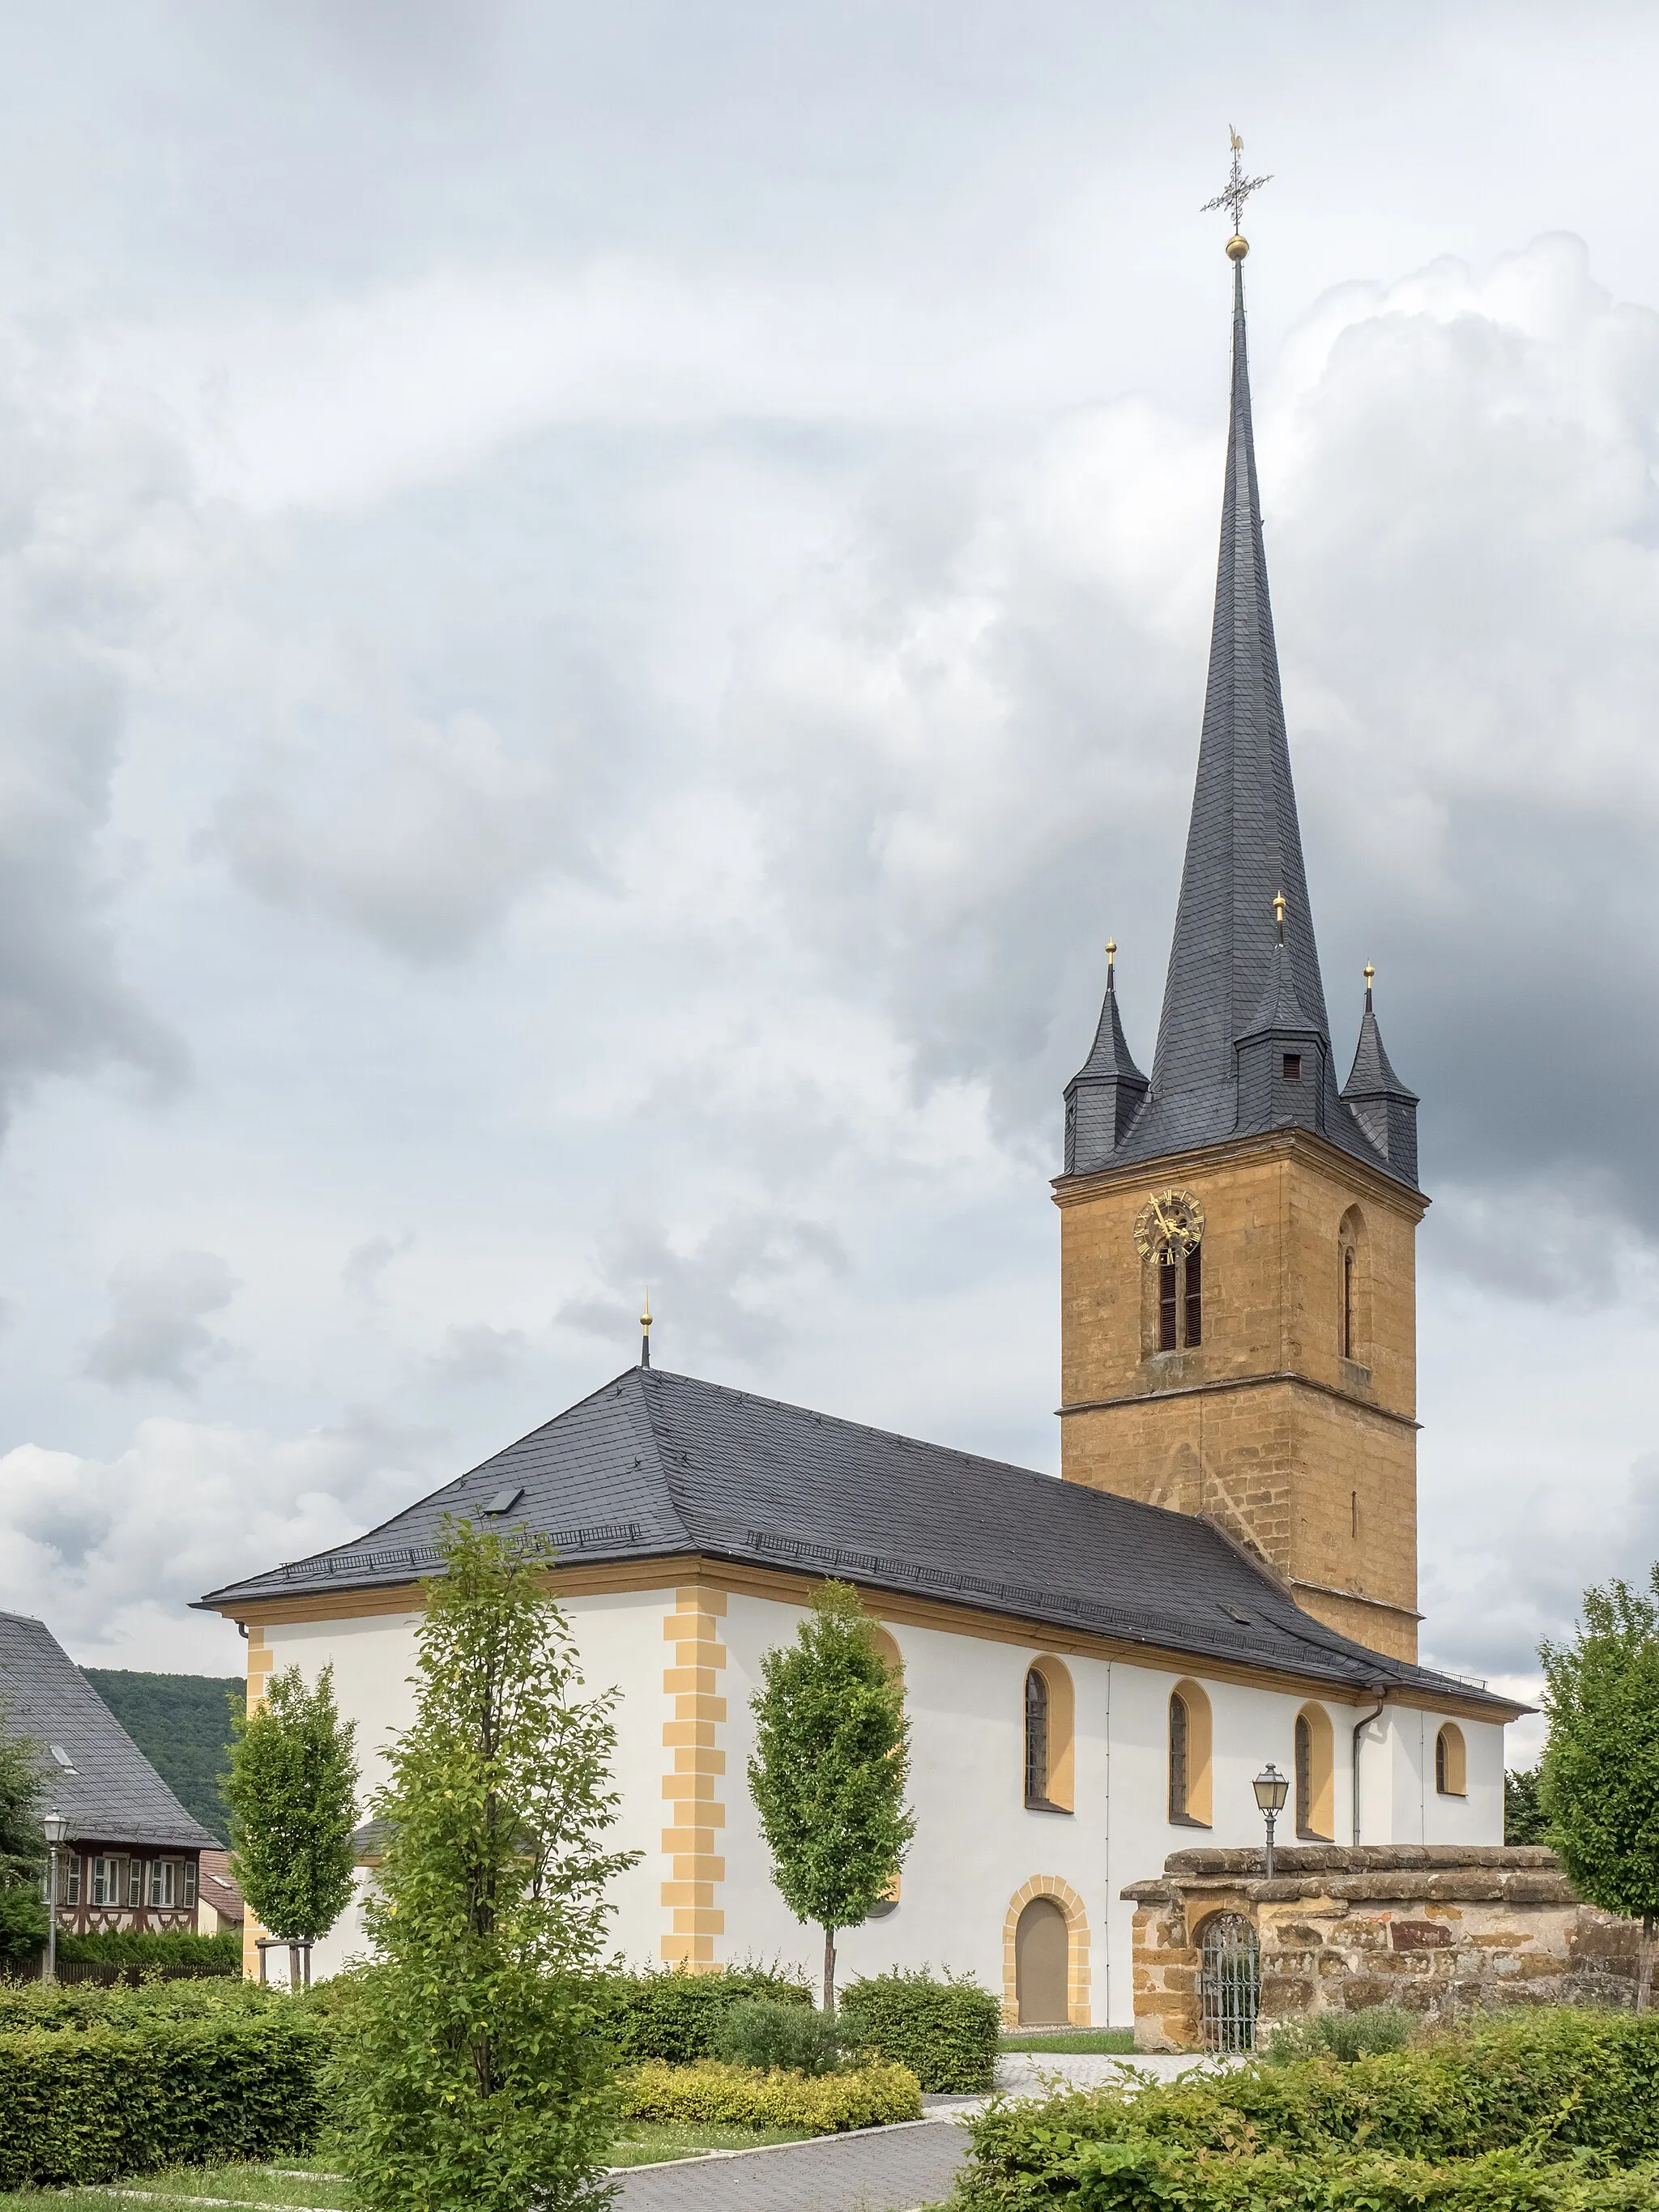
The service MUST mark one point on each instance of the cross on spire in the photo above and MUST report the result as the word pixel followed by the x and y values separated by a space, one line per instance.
pixel 1239 187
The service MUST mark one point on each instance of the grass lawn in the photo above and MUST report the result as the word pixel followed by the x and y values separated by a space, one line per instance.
pixel 648 2142
pixel 276 2188
pixel 1075 2042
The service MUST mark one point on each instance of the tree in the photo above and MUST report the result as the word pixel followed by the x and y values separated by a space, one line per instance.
pixel 1600 1787
pixel 292 1791
pixel 22 1843
pixel 1523 1814
pixel 831 1759
pixel 474 2071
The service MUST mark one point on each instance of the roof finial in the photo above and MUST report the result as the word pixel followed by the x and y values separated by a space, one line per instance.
pixel 1239 188
pixel 645 1330
pixel 1370 973
pixel 1280 903
pixel 1111 955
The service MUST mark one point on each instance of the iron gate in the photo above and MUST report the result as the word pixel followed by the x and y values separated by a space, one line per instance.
pixel 1228 1982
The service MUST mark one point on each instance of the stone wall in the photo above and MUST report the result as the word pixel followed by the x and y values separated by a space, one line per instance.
pixel 1439 1930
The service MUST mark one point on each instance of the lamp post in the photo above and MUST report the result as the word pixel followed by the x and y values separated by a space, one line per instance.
pixel 1271 1788
pixel 57 1828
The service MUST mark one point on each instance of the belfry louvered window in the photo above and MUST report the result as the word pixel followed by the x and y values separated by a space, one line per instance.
pixel 1194 1298
pixel 1168 1305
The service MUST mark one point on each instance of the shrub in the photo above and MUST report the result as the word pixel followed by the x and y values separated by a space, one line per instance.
pixel 107 2099
pixel 667 2013
pixel 1559 2086
pixel 712 2095
pixel 135 1946
pixel 1133 2177
pixel 945 2031
pixel 75 2005
pixel 1344 2035
pixel 772 2038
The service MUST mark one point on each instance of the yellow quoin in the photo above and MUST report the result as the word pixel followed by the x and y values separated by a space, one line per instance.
pixel 1306 1455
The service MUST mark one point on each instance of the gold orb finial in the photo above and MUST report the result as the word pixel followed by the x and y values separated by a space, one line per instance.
pixel 1238 247
pixel 1111 950
pixel 645 1318
pixel 1370 974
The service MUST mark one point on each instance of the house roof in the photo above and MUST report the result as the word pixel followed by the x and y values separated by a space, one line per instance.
pixel 656 1465
pixel 96 1776
pixel 219 1888
pixel 1230 974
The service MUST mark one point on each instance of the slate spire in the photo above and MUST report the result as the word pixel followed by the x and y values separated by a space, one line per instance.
pixel 1107 1092
pixel 1243 1042
pixel 1384 1108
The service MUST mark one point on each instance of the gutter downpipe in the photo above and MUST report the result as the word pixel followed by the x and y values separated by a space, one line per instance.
pixel 1379 1690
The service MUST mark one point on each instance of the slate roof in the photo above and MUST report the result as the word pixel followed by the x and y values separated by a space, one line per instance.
pixel 112 1795
pixel 1227 971
pixel 655 1464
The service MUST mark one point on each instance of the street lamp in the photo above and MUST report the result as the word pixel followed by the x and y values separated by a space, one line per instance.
pixel 1271 1788
pixel 57 1828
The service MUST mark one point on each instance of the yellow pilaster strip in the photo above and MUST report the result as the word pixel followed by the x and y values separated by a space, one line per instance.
pixel 260 1664
pixel 694 1770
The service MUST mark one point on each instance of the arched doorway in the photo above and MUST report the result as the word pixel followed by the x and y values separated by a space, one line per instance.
pixel 1042 1966
pixel 1228 1982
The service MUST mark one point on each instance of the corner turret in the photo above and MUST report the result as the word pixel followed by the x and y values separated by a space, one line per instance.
pixel 1104 1096
pixel 1384 1108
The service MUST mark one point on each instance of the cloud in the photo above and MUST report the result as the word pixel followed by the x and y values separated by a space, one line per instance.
pixel 970 733
pixel 112 1553
pixel 156 1334
pixel 366 1263
pixel 473 1351
pixel 726 1291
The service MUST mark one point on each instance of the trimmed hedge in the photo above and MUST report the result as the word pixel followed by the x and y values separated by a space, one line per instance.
pixel 712 2095
pixel 1551 2090
pixel 71 2005
pixel 103 2100
pixel 945 2031
pixel 1148 2177
pixel 670 2015
pixel 135 1946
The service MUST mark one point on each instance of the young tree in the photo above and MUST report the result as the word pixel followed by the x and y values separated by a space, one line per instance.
pixel 1523 1813
pixel 1600 1773
pixel 831 1759
pixel 292 1789
pixel 474 2072
pixel 22 1843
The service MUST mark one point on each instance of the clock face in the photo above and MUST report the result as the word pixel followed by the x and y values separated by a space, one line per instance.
pixel 1168 1226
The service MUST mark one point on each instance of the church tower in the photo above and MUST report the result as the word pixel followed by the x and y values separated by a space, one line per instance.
pixel 1238 1334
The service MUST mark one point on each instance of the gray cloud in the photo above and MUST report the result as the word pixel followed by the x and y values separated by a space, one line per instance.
pixel 366 1264
pixel 725 1292
pixel 155 1333
pixel 473 1351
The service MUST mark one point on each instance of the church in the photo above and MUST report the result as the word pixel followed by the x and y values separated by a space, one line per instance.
pixel 1095 1668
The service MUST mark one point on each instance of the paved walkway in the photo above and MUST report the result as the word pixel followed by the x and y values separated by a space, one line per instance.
pixel 885 2170
pixel 882 2170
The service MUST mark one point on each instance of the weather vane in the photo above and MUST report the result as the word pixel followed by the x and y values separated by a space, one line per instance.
pixel 1239 188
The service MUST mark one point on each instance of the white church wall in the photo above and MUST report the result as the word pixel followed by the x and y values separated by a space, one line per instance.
pixel 977 1844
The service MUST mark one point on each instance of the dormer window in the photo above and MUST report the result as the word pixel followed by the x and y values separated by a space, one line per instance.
pixel 1292 1067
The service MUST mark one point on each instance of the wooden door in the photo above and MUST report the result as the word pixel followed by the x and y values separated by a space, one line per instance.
pixel 1041 1977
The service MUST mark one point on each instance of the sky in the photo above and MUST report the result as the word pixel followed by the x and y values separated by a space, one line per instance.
pixel 601 610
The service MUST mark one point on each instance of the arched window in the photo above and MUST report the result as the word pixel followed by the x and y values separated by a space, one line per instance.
pixel 1314 1779
pixel 1189 1757
pixel 1353 1317
pixel 1036 1738
pixel 1048 1709
pixel 1450 1767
